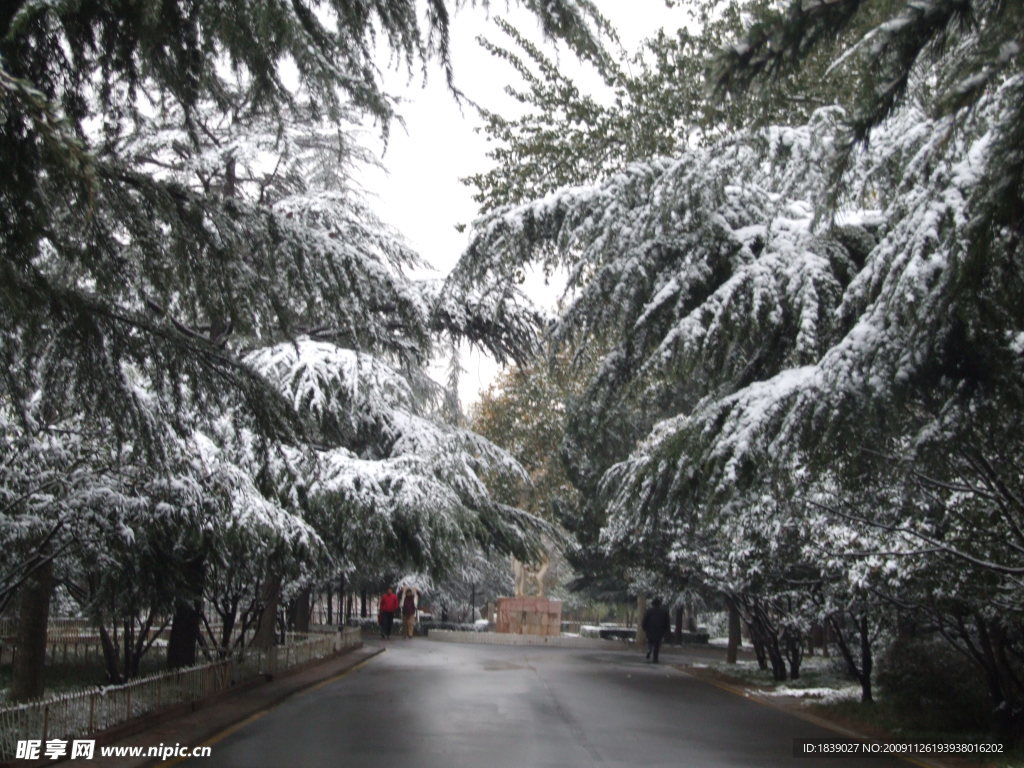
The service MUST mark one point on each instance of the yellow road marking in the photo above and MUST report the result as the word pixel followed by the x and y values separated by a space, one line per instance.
pixel 257 715
pixel 220 736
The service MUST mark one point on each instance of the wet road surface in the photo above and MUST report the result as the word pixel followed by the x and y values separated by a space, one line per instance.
pixel 424 704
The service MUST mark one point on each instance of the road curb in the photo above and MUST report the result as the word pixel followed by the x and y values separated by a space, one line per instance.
pixel 215 721
pixel 821 722
pixel 292 685
pixel 507 639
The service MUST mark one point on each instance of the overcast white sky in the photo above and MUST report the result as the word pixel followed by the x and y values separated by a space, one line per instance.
pixel 420 194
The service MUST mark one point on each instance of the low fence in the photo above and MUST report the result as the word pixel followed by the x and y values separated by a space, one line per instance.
pixel 58 651
pixel 301 648
pixel 84 713
pixel 80 714
pixel 56 626
pixel 75 639
pixel 66 640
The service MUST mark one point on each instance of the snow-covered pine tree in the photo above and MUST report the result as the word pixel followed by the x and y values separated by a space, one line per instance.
pixel 390 483
pixel 302 178
pixel 119 536
pixel 106 264
pixel 145 246
pixel 936 346
pixel 674 264
pixel 650 103
pixel 873 342
pixel 698 275
pixel 259 533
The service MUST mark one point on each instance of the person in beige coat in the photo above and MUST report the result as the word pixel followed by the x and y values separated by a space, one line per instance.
pixel 409 599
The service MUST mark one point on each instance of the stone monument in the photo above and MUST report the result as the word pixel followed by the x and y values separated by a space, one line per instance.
pixel 529 615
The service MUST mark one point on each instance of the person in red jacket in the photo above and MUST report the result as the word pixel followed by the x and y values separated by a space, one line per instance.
pixel 388 609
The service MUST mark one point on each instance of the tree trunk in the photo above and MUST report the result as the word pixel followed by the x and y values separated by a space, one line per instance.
pixel 185 626
pixel 111 657
pixel 230 177
pixel 362 604
pixel 641 636
pixel 679 624
pixel 330 606
pixel 1005 686
pixel 181 645
pixel 775 658
pixel 866 661
pixel 343 617
pixel 228 626
pixel 689 619
pixel 765 637
pixel 862 671
pixel 27 681
pixel 815 638
pixel 302 610
pixel 735 639
pixel 757 643
pixel 793 645
pixel 266 633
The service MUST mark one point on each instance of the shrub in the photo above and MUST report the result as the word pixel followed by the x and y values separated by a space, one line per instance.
pixel 934 685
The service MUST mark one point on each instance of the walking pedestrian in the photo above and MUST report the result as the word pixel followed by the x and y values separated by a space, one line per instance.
pixel 386 614
pixel 410 602
pixel 656 624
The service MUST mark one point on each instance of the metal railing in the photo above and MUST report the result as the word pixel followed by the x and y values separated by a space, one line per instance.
pixel 55 626
pixel 83 713
pixel 65 639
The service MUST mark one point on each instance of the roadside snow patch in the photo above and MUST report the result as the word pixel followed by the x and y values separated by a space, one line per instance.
pixel 827 695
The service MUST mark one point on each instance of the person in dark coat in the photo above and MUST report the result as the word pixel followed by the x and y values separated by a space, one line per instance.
pixel 656 625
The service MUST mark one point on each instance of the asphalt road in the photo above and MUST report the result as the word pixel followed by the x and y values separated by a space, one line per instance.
pixel 424 704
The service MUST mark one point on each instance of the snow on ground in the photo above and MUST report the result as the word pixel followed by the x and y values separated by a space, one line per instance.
pixel 821 680
pixel 825 695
